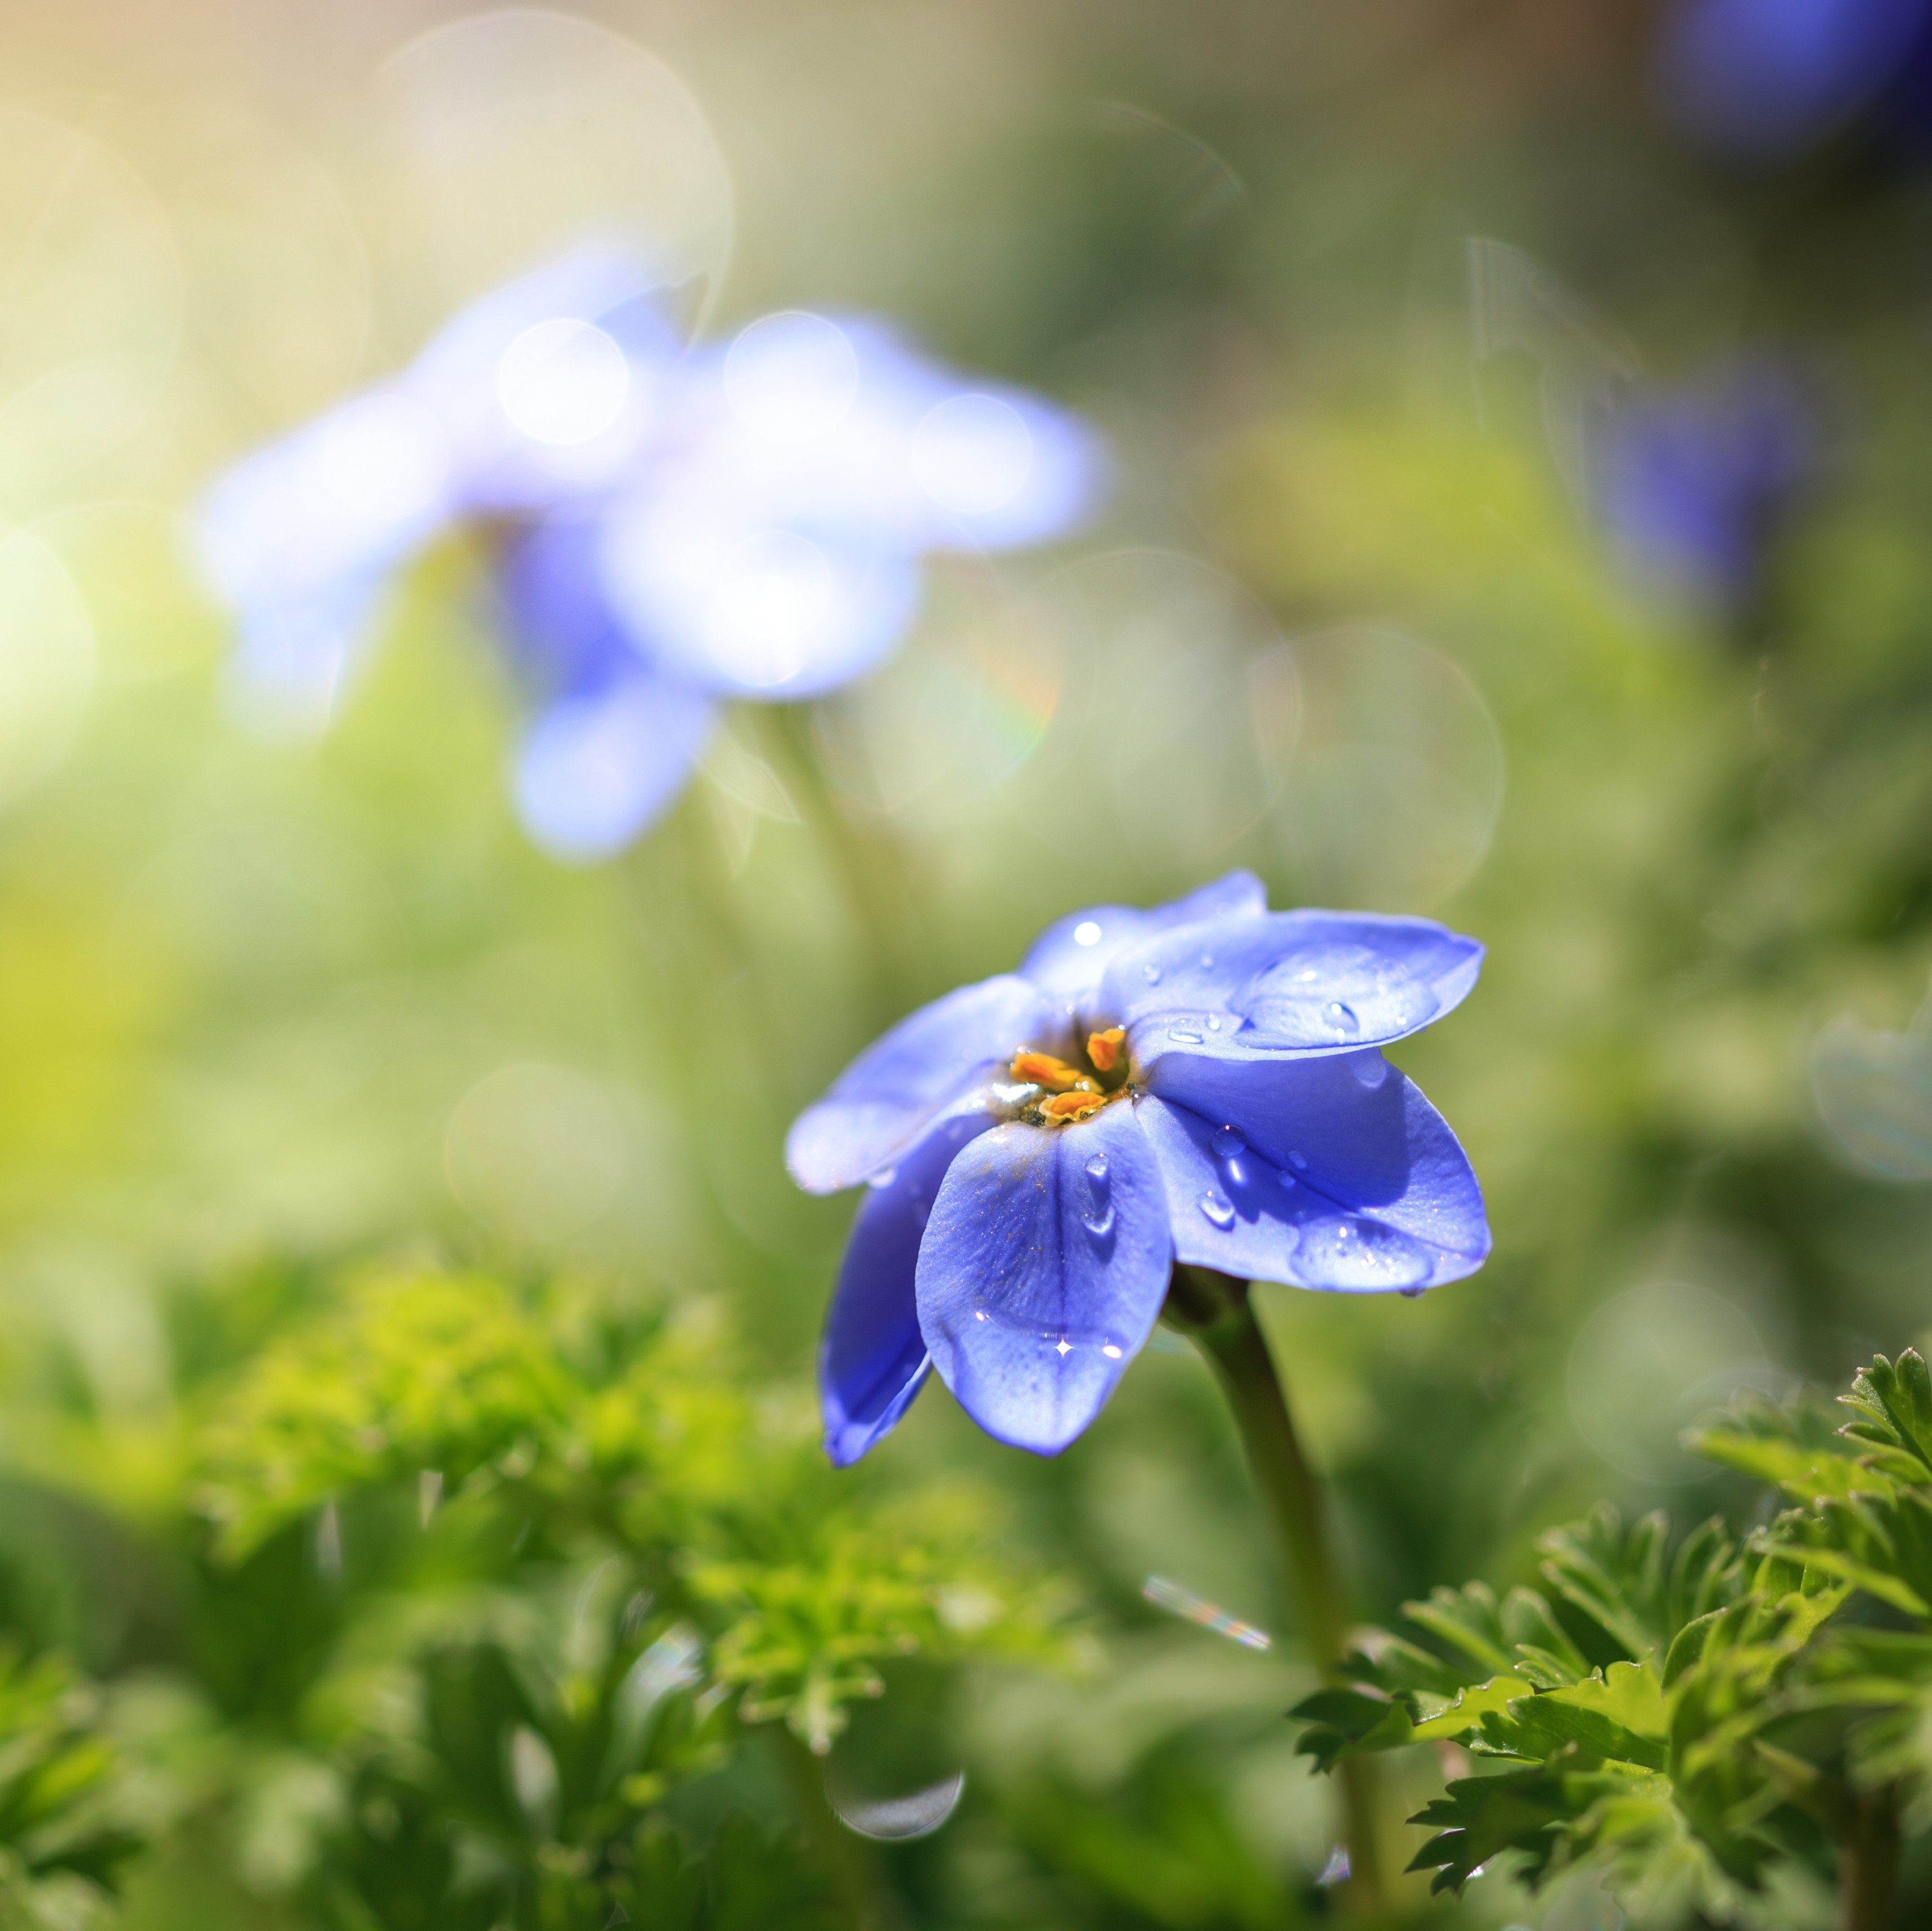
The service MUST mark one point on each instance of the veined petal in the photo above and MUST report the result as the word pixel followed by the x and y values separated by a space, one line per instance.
pixel 1069 958
pixel 595 768
pixel 873 1359
pixel 1043 1268
pixel 1291 982
pixel 883 1102
pixel 1333 1172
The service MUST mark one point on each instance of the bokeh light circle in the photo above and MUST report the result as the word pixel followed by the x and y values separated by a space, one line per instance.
pixel 1390 797
pixel 792 377
pixel 536 1152
pixel 1180 710
pixel 1650 1362
pixel 563 382
pixel 1874 1092
pixel 93 305
pixel 500 141
pixel 46 662
pixel 957 712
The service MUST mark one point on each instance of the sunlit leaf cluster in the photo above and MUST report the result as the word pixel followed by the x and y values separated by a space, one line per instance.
pixel 1685 1719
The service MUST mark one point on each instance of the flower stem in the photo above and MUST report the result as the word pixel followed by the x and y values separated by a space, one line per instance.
pixel 1868 1854
pixel 1214 1310
pixel 846 1860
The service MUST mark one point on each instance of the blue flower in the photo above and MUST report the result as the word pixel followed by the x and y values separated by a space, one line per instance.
pixel 1694 480
pixel 1202 1082
pixel 1758 78
pixel 667 529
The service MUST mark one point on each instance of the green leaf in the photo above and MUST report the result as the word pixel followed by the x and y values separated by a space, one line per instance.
pixel 1343 1720
pixel 1896 1401
pixel 1619 1717
pixel 1471 1705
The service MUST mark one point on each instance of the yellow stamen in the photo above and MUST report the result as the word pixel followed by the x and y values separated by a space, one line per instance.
pixel 1043 1069
pixel 1066 1107
pixel 1104 1049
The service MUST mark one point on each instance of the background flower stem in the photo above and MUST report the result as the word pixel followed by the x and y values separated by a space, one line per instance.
pixel 848 1860
pixel 1868 1857
pixel 1214 1309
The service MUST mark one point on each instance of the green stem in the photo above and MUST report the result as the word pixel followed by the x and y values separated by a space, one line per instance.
pixel 1214 1310
pixel 846 1860
pixel 1868 1854
pixel 871 865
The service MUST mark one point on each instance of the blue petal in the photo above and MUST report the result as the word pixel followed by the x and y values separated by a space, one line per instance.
pixel 561 631
pixel 293 663
pixel 749 605
pixel 552 386
pixel 1043 1268
pixel 1325 1172
pixel 336 504
pixel 873 1359
pixel 594 769
pixel 1004 468
pixel 1290 982
pixel 1069 958
pixel 886 1099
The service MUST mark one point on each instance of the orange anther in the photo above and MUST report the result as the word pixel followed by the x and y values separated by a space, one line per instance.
pixel 1043 1069
pixel 1104 1049
pixel 1066 1107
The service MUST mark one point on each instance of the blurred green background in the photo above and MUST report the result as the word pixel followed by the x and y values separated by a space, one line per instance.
pixel 266 1013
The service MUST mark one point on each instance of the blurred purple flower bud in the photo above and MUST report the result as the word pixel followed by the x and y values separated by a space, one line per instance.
pixel 1694 480
pixel 1760 79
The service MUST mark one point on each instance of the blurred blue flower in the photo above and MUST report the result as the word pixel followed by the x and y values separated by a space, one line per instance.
pixel 1200 1082
pixel 1758 78
pixel 1694 480
pixel 667 529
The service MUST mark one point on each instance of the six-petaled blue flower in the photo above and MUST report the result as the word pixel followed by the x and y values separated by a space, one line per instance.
pixel 667 530
pixel 1202 1082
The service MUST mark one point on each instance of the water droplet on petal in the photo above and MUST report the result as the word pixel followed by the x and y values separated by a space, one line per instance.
pixel 1299 1160
pixel 1182 1037
pixel 1347 1251
pixel 1153 972
pixel 1098 1221
pixel 1111 1351
pixel 1213 1022
pixel 1287 1179
pixel 884 1177
pixel 1233 1172
pixel 1340 1018
pixel 1097 1167
pixel 1087 933
pixel 1217 1207
pixel 1228 1142
pixel 1410 1293
pixel 1370 1068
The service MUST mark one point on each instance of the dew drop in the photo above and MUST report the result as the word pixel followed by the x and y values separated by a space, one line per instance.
pixel 1370 1068
pixel 1097 1167
pixel 1217 1207
pixel 1233 1172
pixel 1299 1161
pixel 1098 1221
pixel 1153 972
pixel 1213 1022
pixel 896 1820
pixel 1228 1142
pixel 1112 1353
pixel 884 1177
pixel 1287 1179
pixel 1340 1018
pixel 1181 1037
pixel 1346 1251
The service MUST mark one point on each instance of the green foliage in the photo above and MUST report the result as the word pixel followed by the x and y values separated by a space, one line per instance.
pixel 1687 1723
pixel 571 1604
pixel 65 1822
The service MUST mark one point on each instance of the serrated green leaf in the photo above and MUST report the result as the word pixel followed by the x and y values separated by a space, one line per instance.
pixel 1619 1717
pixel 1802 1472
pixel 1465 1713
pixel 1342 1720
pixel 1469 1621
pixel 1896 1401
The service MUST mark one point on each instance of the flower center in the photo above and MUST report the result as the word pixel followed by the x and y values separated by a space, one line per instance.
pixel 1056 1092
